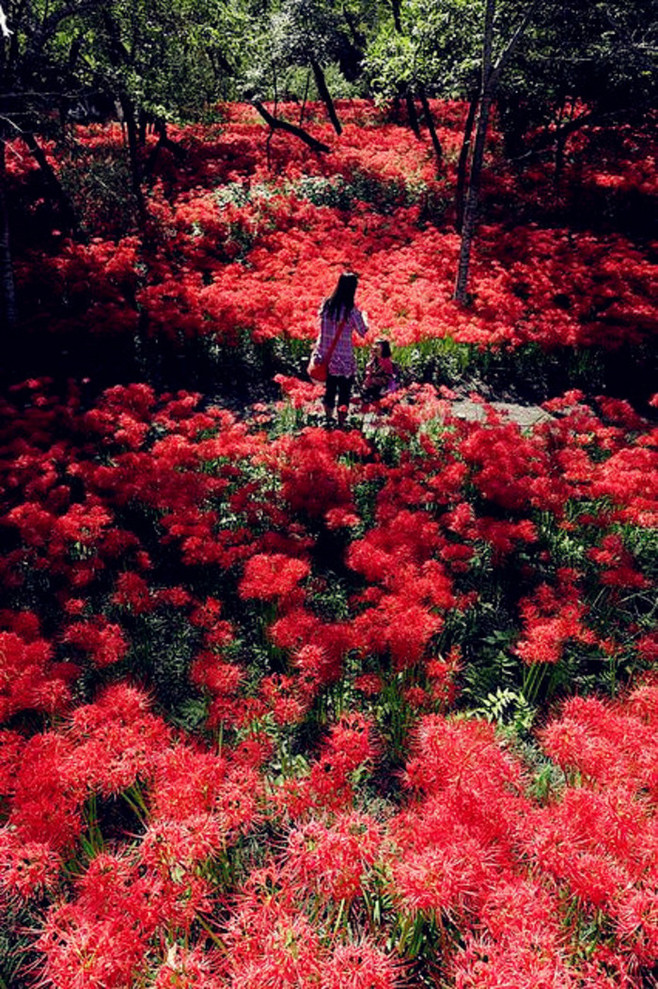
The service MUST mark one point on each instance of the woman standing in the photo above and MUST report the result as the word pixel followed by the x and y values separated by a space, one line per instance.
pixel 339 318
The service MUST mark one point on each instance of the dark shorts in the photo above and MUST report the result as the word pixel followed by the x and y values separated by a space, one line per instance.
pixel 336 383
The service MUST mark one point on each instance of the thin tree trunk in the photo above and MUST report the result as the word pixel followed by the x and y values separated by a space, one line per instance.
pixel 53 183
pixel 462 165
pixel 561 138
pixel 411 112
pixel 302 110
pixel 489 84
pixel 133 151
pixel 325 95
pixel 142 127
pixel 164 141
pixel 145 354
pixel 395 5
pixel 8 307
pixel 472 201
pixel 436 143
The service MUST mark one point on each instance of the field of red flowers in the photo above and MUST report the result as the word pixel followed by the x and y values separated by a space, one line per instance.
pixel 364 709
pixel 241 244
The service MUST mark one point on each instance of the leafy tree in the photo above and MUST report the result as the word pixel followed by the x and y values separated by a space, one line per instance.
pixel 155 61
pixel 588 62
pixel 37 78
pixel 311 35
pixel 549 68
pixel 423 49
pixel 497 49
pixel 453 48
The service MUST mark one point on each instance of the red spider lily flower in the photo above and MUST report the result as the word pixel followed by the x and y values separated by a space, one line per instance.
pixel 341 518
pixel 116 740
pixel 314 480
pixel 299 393
pixel 607 743
pixel 441 674
pixel 364 965
pixel 190 784
pixel 636 915
pixel 220 679
pixel 332 860
pixel 551 617
pixel 133 593
pixel 318 647
pixel 27 869
pixel 417 698
pixel 283 696
pixel 313 664
pixel 174 597
pixel 271 944
pixel 30 679
pixel 173 846
pixel 47 798
pixel 103 640
pixel 328 784
pixel 100 937
pixel 368 684
pixel 11 747
pixel 618 563
pixel 186 968
pixel 398 625
pixel 271 575
pixel 186 781
pixel 457 837
pixel 82 950
pixel 482 965
pixel 205 615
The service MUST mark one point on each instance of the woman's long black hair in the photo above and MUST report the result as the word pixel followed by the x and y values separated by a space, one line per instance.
pixel 343 295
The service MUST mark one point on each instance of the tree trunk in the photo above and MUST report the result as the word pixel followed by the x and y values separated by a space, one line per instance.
pixel 561 138
pixel 145 351
pixel 462 165
pixel 411 112
pixel 8 308
pixel 436 143
pixel 490 75
pixel 325 95
pixel 472 201
pixel 130 123
pixel 68 216
pixel 302 109
pixel 395 6
pixel 143 122
pixel 164 141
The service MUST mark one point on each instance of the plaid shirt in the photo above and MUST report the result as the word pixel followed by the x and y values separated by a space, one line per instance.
pixel 342 361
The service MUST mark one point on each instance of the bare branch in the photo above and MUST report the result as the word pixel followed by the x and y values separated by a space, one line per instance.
pixel 277 124
pixel 507 52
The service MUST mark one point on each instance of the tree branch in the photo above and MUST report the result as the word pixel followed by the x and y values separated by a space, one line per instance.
pixel 507 52
pixel 277 124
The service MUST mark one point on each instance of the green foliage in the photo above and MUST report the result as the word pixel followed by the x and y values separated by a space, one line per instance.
pixel 438 47
pixel 163 647
pixel 99 189
pixel 17 957
pixel 491 666
pixel 582 59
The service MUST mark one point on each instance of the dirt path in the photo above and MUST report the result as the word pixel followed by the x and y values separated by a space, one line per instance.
pixel 524 415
